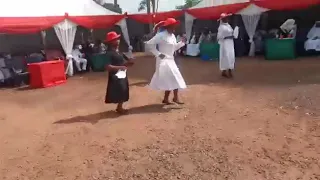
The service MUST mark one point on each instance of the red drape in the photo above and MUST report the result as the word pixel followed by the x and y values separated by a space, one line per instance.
pixel 154 18
pixel 96 22
pixel 285 4
pixel 165 15
pixel 214 12
pixel 25 25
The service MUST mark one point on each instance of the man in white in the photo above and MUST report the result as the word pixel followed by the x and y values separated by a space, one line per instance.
pixel 167 76
pixel 225 39
pixel 78 58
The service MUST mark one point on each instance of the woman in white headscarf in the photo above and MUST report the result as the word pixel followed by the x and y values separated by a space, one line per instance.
pixel 288 28
pixel 225 39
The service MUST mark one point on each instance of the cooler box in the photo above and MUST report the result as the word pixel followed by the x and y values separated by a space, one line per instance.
pixel 209 51
pixel 46 74
pixel 99 62
pixel 280 49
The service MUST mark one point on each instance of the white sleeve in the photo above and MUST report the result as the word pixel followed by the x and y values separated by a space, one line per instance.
pixel 220 35
pixel 152 44
pixel 179 45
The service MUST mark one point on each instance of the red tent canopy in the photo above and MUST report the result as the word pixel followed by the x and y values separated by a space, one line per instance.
pixel 285 4
pixel 154 18
pixel 214 12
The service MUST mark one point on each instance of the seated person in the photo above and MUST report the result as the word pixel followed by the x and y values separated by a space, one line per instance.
pixel 313 41
pixel 79 59
pixel 288 29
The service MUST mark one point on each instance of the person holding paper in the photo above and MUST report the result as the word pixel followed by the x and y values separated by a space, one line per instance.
pixel 118 86
pixel 225 38
pixel 167 76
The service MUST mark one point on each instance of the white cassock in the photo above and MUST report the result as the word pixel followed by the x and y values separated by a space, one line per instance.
pixel 77 56
pixel 167 76
pixel 227 55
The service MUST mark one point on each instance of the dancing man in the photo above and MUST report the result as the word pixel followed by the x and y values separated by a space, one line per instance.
pixel 225 38
pixel 167 76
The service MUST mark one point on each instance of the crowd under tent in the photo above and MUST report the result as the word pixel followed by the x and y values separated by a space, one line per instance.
pixel 34 16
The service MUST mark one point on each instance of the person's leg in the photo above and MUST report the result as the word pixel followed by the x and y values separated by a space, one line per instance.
pixel 224 73
pixel 120 109
pixel 176 97
pixel 84 64
pixel 166 97
pixel 230 73
pixel 77 62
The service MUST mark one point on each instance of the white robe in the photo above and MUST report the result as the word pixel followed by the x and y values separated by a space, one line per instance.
pixel 227 55
pixel 167 76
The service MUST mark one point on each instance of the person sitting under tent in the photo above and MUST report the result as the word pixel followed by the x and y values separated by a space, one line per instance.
pixel 79 59
pixel 313 42
pixel 288 29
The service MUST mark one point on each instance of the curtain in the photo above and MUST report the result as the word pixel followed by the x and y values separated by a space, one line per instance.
pixel 154 18
pixel 188 25
pixel 124 28
pixel 250 22
pixel 285 4
pixel 43 38
pixel 214 12
pixel 66 32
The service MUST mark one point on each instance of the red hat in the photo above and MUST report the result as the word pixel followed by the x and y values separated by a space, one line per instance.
pixel 170 21
pixel 224 15
pixel 112 36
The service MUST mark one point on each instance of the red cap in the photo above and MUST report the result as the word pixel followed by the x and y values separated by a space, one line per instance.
pixel 170 21
pixel 112 36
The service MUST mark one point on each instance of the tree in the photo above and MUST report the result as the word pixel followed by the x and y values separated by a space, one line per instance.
pixel 188 4
pixel 147 4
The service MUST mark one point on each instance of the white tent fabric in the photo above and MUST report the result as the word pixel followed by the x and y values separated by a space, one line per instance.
pixel 66 32
pixel 209 3
pixel 124 28
pixel 40 8
pixel 251 16
pixel 250 23
pixel 188 25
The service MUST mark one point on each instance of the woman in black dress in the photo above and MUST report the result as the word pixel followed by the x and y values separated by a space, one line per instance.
pixel 118 86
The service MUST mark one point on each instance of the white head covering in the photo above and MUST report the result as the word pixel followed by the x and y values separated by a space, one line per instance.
pixel 288 25
pixel 314 31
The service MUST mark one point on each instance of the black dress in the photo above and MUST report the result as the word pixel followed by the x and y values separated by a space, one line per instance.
pixel 117 89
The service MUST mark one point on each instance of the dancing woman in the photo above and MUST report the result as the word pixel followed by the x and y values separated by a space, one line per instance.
pixel 118 86
pixel 167 76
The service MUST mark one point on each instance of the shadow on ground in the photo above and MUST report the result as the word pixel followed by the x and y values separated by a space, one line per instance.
pixel 95 118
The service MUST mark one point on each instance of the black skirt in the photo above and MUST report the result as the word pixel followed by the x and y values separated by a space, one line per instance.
pixel 117 89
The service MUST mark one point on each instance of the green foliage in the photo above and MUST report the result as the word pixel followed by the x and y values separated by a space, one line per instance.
pixel 188 4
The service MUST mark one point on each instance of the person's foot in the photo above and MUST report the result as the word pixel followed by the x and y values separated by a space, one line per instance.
pixel 230 74
pixel 177 101
pixel 122 111
pixel 166 102
pixel 224 75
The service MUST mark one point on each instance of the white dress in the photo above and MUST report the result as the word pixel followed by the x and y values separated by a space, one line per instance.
pixel 167 76
pixel 227 55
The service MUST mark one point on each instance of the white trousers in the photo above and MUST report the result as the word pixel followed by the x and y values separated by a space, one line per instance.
pixel 80 61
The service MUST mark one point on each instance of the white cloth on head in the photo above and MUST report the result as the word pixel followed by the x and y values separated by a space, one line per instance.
pixel 314 32
pixel 290 27
pixel 78 59
pixel 227 55
pixel 167 75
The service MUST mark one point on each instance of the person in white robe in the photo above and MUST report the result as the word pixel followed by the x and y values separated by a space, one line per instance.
pixel 79 59
pixel 227 53
pixel 167 76
pixel 288 29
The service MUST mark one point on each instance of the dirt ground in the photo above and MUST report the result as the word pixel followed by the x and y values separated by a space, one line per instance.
pixel 263 124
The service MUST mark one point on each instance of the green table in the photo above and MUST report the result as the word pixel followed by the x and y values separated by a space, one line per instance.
pixel 99 62
pixel 280 49
pixel 210 50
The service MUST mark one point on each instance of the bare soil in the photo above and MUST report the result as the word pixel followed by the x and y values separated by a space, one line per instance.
pixel 263 124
